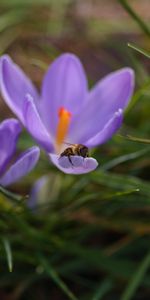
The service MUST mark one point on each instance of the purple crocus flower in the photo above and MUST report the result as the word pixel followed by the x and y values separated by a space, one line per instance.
pixel 9 173
pixel 66 111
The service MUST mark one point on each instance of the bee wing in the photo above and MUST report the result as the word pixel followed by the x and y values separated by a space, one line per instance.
pixel 66 143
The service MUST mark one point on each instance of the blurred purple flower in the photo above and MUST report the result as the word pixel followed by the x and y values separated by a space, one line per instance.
pixel 66 110
pixel 9 133
pixel 38 193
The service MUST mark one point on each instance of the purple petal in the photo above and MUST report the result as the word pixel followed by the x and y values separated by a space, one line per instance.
pixel 14 85
pixel 81 165
pixel 64 85
pixel 35 126
pixel 110 94
pixel 21 167
pixel 9 132
pixel 108 131
pixel 36 193
pixel 76 161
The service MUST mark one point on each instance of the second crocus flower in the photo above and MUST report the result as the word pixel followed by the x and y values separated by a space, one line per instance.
pixel 13 170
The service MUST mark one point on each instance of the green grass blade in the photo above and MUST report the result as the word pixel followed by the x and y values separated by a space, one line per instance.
pixel 136 279
pixel 121 159
pixel 121 182
pixel 53 274
pixel 137 139
pixel 8 254
pixel 135 16
pixel 10 195
pixel 140 50
pixel 104 288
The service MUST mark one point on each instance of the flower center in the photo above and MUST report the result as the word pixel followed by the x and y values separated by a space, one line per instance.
pixel 63 126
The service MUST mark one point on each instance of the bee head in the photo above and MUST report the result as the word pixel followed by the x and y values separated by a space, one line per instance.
pixel 84 151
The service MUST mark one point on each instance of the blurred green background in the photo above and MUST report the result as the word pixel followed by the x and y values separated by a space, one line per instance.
pixel 89 236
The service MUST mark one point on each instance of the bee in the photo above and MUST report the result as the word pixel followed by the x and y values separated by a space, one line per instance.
pixel 75 149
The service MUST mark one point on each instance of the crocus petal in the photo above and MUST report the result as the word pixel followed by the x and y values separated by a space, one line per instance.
pixel 64 85
pixel 75 161
pixel 108 131
pixel 14 85
pixel 35 126
pixel 36 194
pixel 9 132
pixel 110 94
pixel 21 167
pixel 85 165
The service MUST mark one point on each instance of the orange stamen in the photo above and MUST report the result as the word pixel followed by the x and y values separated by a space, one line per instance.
pixel 63 126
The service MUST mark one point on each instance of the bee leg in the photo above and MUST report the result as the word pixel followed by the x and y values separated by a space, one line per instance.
pixel 70 160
